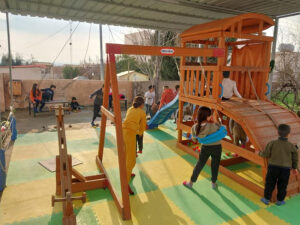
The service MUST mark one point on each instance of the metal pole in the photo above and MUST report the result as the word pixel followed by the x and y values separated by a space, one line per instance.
pixel 9 60
pixel 101 76
pixel 273 53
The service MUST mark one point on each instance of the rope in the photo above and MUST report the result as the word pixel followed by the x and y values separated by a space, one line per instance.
pixel 259 101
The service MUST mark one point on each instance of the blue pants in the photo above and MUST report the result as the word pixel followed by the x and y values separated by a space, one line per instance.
pixel 37 102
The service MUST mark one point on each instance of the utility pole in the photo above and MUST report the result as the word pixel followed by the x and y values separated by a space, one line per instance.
pixel 101 75
pixel 70 43
pixel 9 60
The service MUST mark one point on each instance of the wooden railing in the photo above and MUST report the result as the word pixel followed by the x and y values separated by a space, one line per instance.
pixel 200 82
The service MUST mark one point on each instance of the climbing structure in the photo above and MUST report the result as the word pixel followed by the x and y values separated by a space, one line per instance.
pixel 122 202
pixel 247 57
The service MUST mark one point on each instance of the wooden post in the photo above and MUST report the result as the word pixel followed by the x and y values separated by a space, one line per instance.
pixel 120 141
pixel 105 104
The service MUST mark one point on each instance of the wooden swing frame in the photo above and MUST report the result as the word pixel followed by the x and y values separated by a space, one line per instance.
pixel 123 204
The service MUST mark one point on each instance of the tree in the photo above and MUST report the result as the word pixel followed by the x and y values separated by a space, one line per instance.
pixel 16 61
pixel 69 72
pixel 287 91
pixel 126 62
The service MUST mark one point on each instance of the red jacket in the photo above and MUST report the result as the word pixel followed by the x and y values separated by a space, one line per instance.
pixel 167 96
pixel 38 95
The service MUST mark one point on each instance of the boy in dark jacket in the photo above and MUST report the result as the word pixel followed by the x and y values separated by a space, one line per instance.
pixel 48 93
pixel 282 157
pixel 97 104
pixel 74 105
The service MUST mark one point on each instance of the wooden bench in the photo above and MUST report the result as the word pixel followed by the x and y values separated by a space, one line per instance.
pixel 48 104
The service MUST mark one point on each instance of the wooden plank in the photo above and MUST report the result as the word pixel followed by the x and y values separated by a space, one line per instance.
pixel 207 83
pixel 232 161
pixel 120 140
pixel 203 36
pixel 202 83
pixel 248 36
pixel 78 175
pixel 243 153
pixel 108 114
pixel 162 51
pixel 187 82
pixel 197 83
pixel 89 185
pixel 211 68
pixel 105 104
pixel 192 88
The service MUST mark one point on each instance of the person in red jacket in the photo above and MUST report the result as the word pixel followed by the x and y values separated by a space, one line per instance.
pixel 36 98
pixel 167 96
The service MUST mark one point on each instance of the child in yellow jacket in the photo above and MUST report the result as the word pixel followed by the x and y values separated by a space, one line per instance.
pixel 133 125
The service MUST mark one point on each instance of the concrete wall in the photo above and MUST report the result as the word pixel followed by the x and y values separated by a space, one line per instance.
pixel 81 89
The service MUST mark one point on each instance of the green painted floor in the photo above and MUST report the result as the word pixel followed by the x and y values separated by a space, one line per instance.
pixel 160 196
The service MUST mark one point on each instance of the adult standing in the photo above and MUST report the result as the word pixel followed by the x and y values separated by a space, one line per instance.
pixel 98 101
pixel 149 99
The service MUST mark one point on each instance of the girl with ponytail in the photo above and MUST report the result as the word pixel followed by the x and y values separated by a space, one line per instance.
pixel 206 125
pixel 134 126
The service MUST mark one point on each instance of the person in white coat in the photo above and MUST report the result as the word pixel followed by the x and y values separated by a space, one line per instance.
pixel 229 87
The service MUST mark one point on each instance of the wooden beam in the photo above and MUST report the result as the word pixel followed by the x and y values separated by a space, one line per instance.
pixel 108 114
pixel 248 36
pixel 162 51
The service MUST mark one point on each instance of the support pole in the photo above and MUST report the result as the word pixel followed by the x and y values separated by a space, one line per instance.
pixel 273 53
pixel 101 75
pixel 9 60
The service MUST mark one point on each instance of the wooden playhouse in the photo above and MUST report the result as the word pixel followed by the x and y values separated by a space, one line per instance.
pixel 247 57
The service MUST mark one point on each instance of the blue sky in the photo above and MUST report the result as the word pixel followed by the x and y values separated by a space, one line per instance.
pixel 30 37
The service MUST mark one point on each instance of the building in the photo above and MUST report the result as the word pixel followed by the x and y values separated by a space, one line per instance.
pixel 132 76
pixel 143 37
pixel 38 71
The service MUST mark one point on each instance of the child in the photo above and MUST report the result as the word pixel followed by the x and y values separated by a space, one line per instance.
pixel 282 157
pixel 97 104
pixel 166 97
pixel 74 104
pixel 205 126
pixel 149 98
pixel 134 123
pixel 48 93
pixel 229 87
pixel 36 97
pixel 176 92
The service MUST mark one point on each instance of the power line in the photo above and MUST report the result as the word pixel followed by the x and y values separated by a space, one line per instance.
pixel 44 39
pixel 65 44
pixel 87 47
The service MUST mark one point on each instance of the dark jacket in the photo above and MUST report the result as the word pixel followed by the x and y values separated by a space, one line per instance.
pixel 281 153
pixel 48 94
pixel 99 97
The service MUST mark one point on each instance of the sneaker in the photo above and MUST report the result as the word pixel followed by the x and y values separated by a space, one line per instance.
pixel 94 125
pixel 133 175
pixel 264 200
pixel 214 185
pixel 140 151
pixel 280 203
pixel 187 184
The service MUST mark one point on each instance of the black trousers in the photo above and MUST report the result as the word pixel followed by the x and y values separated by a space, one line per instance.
pixel 139 142
pixel 213 151
pixel 110 100
pixel 37 103
pixel 277 175
pixel 96 112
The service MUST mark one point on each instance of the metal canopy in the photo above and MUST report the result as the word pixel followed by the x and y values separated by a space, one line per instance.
pixel 176 15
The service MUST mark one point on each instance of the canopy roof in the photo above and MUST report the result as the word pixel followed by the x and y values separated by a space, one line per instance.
pixel 250 24
pixel 177 15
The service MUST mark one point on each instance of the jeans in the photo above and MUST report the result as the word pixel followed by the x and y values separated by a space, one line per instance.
pixel 215 152
pixel 37 102
pixel 280 176
pixel 148 109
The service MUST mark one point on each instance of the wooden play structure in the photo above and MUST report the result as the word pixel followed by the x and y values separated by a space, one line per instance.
pixel 247 57
pixel 204 56
pixel 123 203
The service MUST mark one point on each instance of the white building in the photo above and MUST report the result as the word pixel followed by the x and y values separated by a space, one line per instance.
pixel 132 76
pixel 30 72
